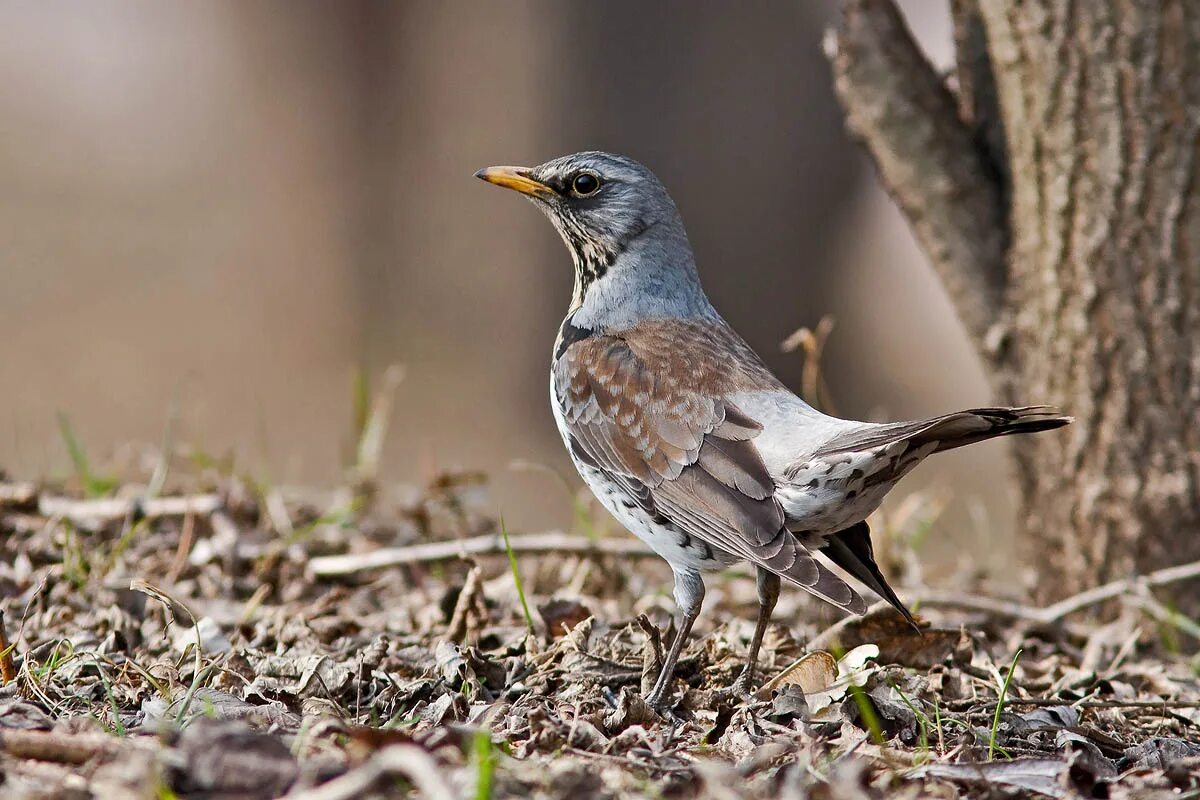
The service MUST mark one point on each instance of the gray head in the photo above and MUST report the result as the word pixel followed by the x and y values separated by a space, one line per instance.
pixel 622 229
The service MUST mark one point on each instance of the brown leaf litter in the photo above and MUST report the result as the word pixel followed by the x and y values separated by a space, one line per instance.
pixel 183 646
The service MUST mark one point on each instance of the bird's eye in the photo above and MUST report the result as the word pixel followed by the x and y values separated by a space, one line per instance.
pixel 585 184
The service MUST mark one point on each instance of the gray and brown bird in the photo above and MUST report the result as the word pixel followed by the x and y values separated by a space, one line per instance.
pixel 682 432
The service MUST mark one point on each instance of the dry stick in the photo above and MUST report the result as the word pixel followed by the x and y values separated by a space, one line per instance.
pixel 399 759
pixel 460 620
pixel 184 549
pixel 370 443
pixel 120 508
pixel 1144 601
pixel 8 670
pixel 1044 702
pixel 488 544
pixel 17 494
pixel 63 748
pixel 1054 613
pixel 812 381
pixel 555 542
pixel 1108 591
pixel 973 602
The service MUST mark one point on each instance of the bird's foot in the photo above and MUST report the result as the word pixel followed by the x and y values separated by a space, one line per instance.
pixel 659 699
pixel 740 689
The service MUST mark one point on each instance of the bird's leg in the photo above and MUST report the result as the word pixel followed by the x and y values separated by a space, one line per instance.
pixel 689 596
pixel 768 595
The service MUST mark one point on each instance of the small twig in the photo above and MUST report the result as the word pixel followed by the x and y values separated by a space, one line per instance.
pixel 369 452
pixel 116 508
pixel 469 600
pixel 8 670
pixel 400 759
pixel 812 381
pixel 488 544
pixel 253 603
pixel 1032 614
pixel 1115 589
pixel 17 494
pixel 556 542
pixel 186 535
pixel 1144 601
pixel 1071 605
pixel 940 598
pixel 1043 702
pixel 62 748
pixel 278 515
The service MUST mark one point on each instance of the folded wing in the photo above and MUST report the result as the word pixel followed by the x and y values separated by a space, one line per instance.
pixel 663 430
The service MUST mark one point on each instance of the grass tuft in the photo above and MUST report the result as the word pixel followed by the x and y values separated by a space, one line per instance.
pixel 118 727
pixel 93 485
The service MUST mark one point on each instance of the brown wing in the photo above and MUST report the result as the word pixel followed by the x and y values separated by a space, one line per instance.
pixel 664 430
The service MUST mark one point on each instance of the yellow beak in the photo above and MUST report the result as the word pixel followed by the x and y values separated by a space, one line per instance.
pixel 516 178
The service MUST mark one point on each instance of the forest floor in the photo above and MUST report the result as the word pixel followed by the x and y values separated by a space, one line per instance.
pixel 207 637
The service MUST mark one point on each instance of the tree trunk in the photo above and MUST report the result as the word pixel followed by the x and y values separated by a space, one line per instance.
pixel 1055 191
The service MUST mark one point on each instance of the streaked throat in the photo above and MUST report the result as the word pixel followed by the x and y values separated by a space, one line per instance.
pixel 591 255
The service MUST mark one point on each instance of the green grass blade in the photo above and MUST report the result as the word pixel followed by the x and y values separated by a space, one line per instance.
pixel 923 723
pixel 93 485
pixel 1000 706
pixel 867 712
pixel 512 562
pixel 485 764
pixel 114 709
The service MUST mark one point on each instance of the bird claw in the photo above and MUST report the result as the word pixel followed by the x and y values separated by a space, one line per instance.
pixel 739 689
pixel 659 700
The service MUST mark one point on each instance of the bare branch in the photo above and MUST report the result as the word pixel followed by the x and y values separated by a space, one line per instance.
pixel 1071 605
pixel 58 746
pixel 108 509
pixel 899 108
pixel 488 544
pixel 978 104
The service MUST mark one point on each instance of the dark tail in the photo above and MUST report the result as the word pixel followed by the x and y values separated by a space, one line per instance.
pixel 951 430
pixel 977 424
pixel 851 550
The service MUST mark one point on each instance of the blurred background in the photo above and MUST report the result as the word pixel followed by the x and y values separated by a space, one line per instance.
pixel 224 207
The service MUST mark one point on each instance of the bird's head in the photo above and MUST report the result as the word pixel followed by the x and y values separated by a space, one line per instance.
pixel 621 227
pixel 600 203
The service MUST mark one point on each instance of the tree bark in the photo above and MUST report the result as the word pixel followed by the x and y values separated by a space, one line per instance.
pixel 1056 193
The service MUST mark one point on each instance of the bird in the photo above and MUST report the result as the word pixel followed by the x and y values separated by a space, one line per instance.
pixel 682 432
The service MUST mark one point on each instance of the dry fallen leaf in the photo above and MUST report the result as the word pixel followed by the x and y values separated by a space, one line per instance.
pixel 812 673
pixel 853 670
pixel 823 680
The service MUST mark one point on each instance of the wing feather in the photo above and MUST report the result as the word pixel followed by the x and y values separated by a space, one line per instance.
pixel 684 453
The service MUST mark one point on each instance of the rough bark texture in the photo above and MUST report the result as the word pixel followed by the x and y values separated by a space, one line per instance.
pixel 1080 122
